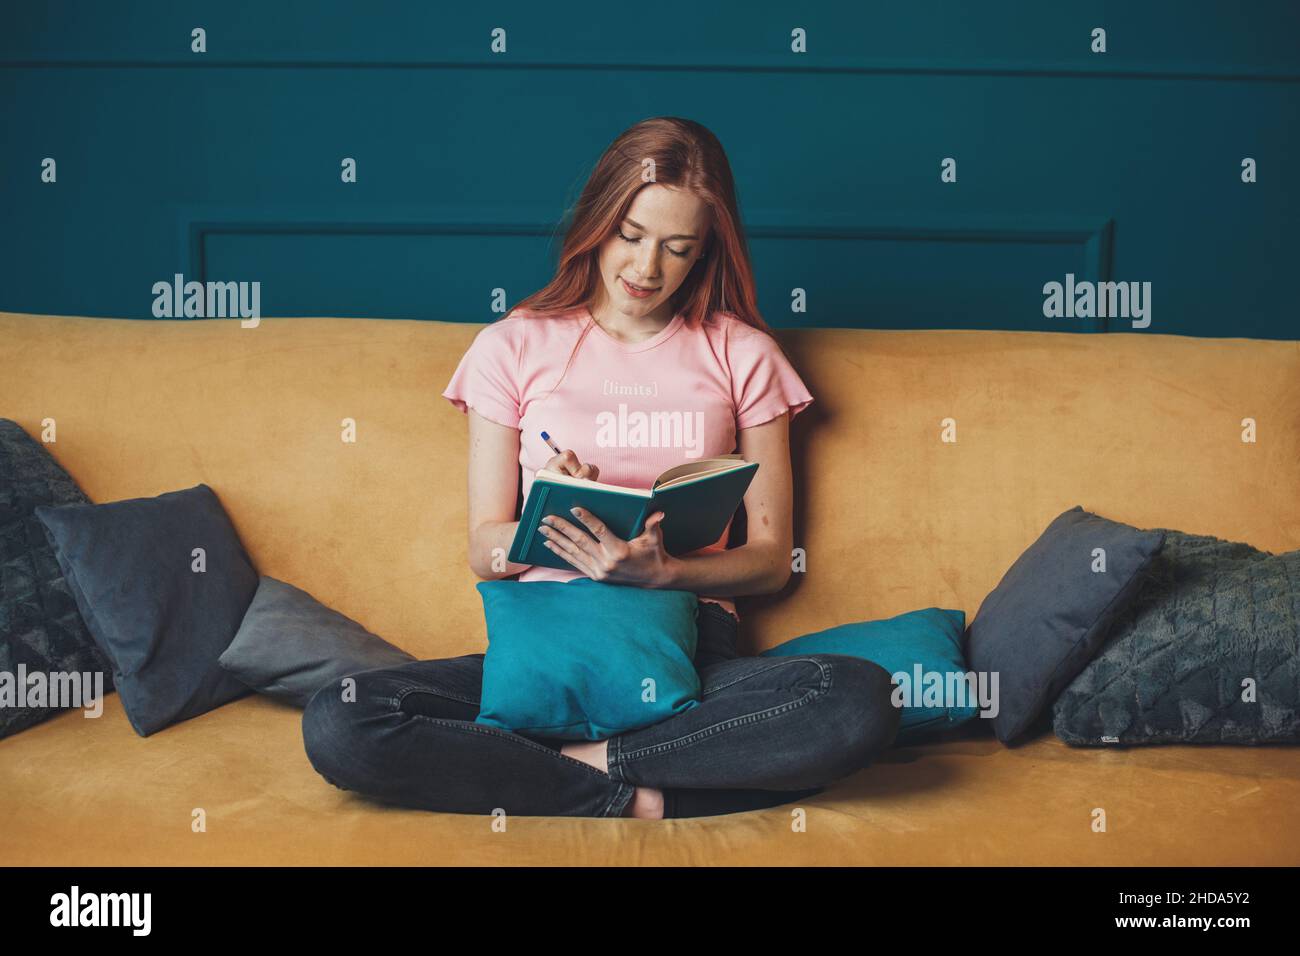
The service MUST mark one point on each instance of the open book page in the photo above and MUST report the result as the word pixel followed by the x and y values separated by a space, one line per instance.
pixel 563 479
pixel 695 469
pixel 679 474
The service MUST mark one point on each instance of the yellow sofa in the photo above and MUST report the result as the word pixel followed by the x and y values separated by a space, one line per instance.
pixel 1142 428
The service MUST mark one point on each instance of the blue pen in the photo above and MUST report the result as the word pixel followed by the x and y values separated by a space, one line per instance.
pixel 547 438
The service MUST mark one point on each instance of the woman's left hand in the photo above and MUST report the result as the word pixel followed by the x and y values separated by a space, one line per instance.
pixel 608 557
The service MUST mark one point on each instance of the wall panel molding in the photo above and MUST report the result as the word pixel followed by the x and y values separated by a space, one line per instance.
pixel 1205 71
pixel 1088 237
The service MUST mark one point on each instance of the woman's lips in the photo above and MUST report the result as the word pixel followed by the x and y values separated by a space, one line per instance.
pixel 634 291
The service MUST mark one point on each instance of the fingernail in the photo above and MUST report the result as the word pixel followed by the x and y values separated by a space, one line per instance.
pixel 576 511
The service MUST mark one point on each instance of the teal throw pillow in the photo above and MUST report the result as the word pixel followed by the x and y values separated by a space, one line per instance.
pixel 586 660
pixel 923 645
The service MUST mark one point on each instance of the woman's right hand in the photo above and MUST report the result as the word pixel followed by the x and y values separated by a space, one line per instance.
pixel 566 463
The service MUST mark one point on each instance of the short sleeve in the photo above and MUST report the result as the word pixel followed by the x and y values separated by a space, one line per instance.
pixel 487 378
pixel 764 383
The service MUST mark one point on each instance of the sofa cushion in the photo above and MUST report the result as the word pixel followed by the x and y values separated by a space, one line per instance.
pixel 928 641
pixel 41 630
pixel 1207 652
pixel 1047 617
pixel 161 611
pixel 289 645
pixel 571 659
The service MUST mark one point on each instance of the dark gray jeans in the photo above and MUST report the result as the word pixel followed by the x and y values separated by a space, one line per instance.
pixel 767 731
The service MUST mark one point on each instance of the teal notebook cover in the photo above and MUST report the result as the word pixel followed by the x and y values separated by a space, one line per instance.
pixel 696 508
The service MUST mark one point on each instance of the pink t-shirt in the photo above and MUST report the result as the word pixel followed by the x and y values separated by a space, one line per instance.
pixel 633 410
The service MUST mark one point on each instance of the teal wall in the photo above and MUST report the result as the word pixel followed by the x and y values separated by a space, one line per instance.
pixel 225 165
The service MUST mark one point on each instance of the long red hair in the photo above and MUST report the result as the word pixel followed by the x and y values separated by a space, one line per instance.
pixel 687 156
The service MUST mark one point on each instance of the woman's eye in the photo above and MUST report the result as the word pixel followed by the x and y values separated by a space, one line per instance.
pixel 679 255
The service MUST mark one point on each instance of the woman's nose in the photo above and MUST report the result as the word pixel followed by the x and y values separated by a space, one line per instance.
pixel 647 265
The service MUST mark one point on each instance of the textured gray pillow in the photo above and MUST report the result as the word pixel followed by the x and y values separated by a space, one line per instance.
pixel 41 630
pixel 1207 615
pixel 290 645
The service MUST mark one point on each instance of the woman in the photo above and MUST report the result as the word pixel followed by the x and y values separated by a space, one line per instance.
pixel 635 321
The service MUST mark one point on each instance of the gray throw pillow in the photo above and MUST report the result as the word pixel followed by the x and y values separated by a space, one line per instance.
pixel 1214 624
pixel 162 583
pixel 1049 614
pixel 43 640
pixel 290 645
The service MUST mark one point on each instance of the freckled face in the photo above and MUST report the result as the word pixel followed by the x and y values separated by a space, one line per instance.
pixel 651 252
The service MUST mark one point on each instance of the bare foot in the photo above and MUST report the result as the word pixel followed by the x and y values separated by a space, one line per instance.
pixel 646 804
pixel 592 752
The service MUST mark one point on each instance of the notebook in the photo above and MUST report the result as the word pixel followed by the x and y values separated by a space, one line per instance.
pixel 697 498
